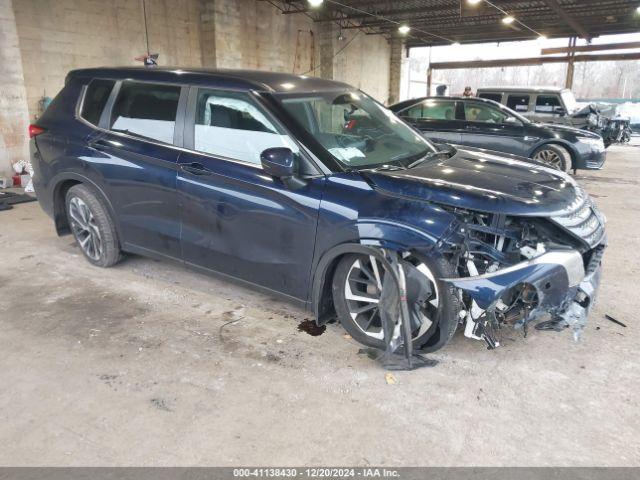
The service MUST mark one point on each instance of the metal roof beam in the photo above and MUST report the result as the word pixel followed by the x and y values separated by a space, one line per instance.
pixel 574 24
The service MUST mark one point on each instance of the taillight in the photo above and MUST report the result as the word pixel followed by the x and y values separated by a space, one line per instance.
pixel 35 130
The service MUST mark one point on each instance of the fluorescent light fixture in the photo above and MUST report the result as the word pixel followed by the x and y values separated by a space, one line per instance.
pixel 404 29
pixel 474 2
pixel 508 19
pixel 315 3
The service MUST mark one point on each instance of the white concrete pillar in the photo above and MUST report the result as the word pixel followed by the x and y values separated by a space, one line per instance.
pixel 14 116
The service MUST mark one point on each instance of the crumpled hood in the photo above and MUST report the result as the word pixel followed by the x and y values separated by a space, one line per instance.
pixel 482 180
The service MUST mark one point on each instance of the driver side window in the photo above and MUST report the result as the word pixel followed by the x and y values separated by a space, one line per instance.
pixel 477 112
pixel 232 125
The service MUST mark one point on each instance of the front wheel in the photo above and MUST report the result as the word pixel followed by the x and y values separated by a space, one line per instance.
pixel 357 287
pixel 553 156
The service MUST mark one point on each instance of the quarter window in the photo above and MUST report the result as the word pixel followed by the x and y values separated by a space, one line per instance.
pixel 231 125
pixel 146 110
pixel 519 103
pixel 547 103
pixel 95 98
pixel 431 110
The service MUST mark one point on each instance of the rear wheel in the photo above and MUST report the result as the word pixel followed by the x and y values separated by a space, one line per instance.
pixel 553 156
pixel 92 226
pixel 357 286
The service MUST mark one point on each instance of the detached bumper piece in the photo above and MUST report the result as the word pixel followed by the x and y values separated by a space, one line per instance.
pixel 556 284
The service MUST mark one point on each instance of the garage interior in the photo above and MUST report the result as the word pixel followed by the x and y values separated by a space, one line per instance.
pixel 152 364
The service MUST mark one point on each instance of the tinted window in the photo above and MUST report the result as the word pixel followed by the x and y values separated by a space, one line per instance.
pixel 519 103
pixel 95 98
pixel 432 110
pixel 547 103
pixel 496 97
pixel 146 110
pixel 232 125
pixel 478 112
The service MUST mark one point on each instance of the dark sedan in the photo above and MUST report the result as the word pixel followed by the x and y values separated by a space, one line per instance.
pixel 487 124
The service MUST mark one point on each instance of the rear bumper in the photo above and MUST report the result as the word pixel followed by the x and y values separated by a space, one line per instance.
pixel 566 289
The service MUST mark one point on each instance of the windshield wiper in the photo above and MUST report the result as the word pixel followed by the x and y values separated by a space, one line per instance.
pixel 429 156
pixel 387 167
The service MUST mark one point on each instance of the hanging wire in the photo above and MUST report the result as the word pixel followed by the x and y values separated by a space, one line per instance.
pixel 500 9
pixel 146 30
pixel 334 55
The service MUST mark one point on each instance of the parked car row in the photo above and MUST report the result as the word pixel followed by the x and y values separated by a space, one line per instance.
pixel 559 106
pixel 483 123
pixel 295 185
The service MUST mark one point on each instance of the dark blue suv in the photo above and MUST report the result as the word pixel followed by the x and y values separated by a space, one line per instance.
pixel 293 184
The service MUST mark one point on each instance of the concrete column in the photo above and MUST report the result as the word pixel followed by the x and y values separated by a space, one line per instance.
pixel 325 41
pixel 14 116
pixel 208 34
pixel 395 69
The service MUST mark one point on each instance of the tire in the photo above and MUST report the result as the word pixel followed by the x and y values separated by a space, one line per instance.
pixel 553 156
pixel 92 226
pixel 444 317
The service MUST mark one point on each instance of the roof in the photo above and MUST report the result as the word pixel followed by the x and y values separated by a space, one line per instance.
pixel 441 22
pixel 227 78
pixel 407 103
pixel 523 89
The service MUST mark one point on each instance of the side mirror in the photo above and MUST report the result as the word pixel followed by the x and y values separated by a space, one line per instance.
pixel 278 162
pixel 559 110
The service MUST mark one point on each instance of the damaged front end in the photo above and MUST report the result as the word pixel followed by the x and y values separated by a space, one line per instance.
pixel 517 270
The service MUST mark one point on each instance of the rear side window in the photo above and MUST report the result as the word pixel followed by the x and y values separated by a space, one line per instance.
pixel 431 110
pixel 519 103
pixel 478 112
pixel 547 103
pixel 95 98
pixel 146 110
pixel 231 125
pixel 496 97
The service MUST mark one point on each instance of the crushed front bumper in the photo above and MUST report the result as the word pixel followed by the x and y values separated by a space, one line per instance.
pixel 566 284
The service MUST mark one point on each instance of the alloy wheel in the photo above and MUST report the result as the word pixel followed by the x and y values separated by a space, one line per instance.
pixel 549 157
pixel 362 291
pixel 85 228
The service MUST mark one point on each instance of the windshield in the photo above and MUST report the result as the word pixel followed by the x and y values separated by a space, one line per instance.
pixel 570 102
pixel 355 130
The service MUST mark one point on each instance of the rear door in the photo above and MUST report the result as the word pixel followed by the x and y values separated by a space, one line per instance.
pixel 436 119
pixel 489 127
pixel 235 218
pixel 137 158
pixel 520 103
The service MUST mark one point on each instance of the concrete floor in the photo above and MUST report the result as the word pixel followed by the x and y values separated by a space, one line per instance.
pixel 131 366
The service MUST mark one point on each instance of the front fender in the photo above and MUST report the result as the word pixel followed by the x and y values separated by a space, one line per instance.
pixel 372 234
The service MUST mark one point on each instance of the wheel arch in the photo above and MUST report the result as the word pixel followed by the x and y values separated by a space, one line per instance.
pixel 321 295
pixel 573 153
pixel 61 185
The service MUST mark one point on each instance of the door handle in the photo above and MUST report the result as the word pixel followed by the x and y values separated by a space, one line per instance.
pixel 99 144
pixel 195 168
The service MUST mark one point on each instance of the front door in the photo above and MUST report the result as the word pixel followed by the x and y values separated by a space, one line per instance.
pixel 436 119
pixel 489 127
pixel 235 218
